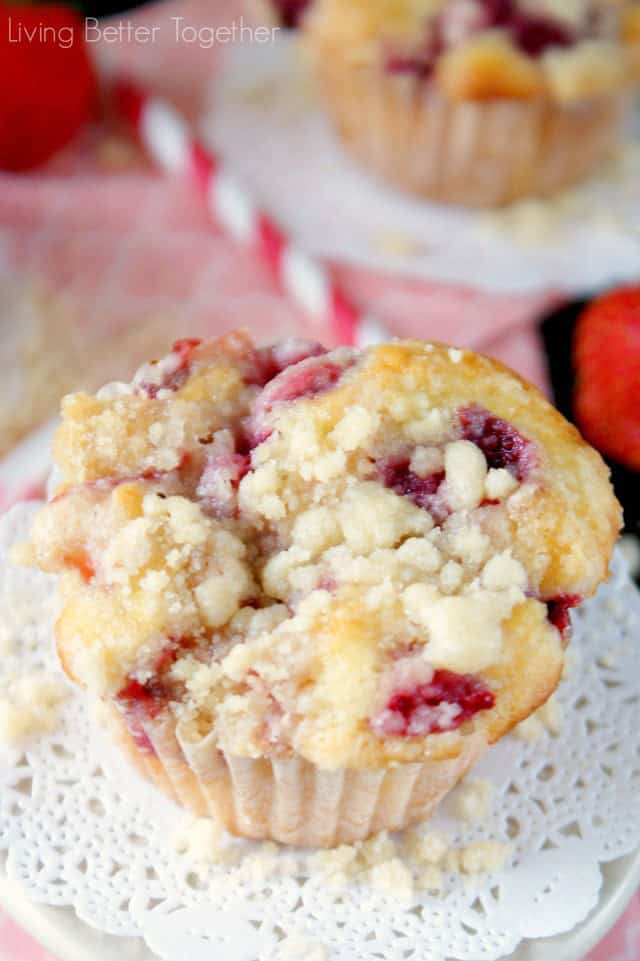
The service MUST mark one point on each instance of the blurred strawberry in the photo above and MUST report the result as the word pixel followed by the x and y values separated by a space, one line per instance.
pixel 48 87
pixel 291 11
pixel 607 359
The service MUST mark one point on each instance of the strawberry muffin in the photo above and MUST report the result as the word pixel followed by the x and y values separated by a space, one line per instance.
pixel 476 102
pixel 309 588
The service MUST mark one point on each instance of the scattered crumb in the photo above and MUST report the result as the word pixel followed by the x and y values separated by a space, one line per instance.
pixel 452 861
pixel 546 718
pixel 529 730
pixel 300 948
pixel 536 223
pixel 455 355
pixel 263 863
pixel 471 800
pixel 22 554
pixel 482 857
pixel 429 849
pixel 392 877
pixel 200 839
pixel 396 244
pixel 337 864
pixel 608 659
pixel 550 715
pixel 29 706
pixel 430 879
pixel 530 223
pixel 415 861
pixel 377 849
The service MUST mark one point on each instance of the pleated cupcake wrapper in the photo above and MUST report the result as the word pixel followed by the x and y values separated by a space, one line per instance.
pixel 289 799
pixel 480 154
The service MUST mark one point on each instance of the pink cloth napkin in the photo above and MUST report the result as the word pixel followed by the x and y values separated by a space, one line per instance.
pixel 119 246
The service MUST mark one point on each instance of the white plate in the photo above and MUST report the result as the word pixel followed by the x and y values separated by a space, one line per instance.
pixel 69 939
pixel 264 120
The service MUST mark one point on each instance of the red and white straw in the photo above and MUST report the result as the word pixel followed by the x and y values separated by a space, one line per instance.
pixel 171 146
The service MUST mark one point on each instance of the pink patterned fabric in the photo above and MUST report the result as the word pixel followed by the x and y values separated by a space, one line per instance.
pixel 623 942
pixel 120 244
pixel 16 945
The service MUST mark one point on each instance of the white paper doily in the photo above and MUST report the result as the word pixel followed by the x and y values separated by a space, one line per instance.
pixel 264 119
pixel 567 803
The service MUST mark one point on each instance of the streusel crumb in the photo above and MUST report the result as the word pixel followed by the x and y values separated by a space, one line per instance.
pixel 547 718
pixel 470 801
pixel 29 706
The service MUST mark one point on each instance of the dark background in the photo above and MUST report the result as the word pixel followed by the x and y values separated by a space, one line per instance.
pixel 103 9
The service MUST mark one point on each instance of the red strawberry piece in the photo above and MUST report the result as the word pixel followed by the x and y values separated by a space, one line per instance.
pixel 534 35
pixel 446 702
pixel 558 612
pixel 142 702
pixel 177 368
pixel 532 32
pixel 500 442
pixel 139 704
pixel 307 378
pixel 268 362
pixel 396 474
pixel 48 87
pixel 607 360
pixel 218 485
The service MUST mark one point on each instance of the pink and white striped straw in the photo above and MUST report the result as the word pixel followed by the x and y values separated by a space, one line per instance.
pixel 172 147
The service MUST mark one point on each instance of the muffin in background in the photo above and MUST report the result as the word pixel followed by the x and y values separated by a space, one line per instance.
pixel 310 588
pixel 476 102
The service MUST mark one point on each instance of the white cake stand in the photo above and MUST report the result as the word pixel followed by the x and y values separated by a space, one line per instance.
pixel 70 939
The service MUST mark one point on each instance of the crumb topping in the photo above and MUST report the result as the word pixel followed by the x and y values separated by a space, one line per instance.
pixel 399 867
pixel 547 718
pixel 471 800
pixel 346 555
pixel 29 707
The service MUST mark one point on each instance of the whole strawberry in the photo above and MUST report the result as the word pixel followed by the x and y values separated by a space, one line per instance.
pixel 607 360
pixel 48 87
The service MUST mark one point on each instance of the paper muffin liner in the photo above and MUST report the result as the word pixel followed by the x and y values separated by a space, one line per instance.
pixel 475 153
pixel 289 799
